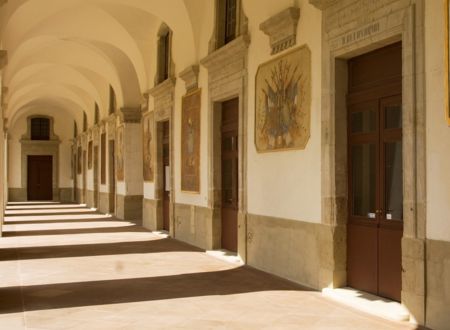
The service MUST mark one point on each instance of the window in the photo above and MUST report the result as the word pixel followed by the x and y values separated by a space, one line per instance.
pixel 103 159
pixel 164 43
pixel 112 100
pixel 85 123
pixel 75 129
pixel 97 114
pixel 230 21
pixel 40 129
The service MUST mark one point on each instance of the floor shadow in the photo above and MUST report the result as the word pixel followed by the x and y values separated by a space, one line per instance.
pixel 65 295
pixel 9 208
pixel 57 212
pixel 98 230
pixel 59 221
pixel 88 250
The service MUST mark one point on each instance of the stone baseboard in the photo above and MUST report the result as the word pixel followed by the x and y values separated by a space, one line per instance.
pixel 129 208
pixel 438 284
pixel 103 202
pixel 151 219
pixel 302 252
pixel 66 195
pixel 194 225
pixel 90 198
pixel 17 195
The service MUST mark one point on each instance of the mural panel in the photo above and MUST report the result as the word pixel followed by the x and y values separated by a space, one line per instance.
pixel 148 146
pixel 190 142
pixel 283 102
pixel 119 153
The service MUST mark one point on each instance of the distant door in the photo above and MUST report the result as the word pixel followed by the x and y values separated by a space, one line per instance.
pixel 229 168
pixel 40 178
pixel 84 177
pixel 166 175
pixel 375 224
pixel 112 177
pixel 96 192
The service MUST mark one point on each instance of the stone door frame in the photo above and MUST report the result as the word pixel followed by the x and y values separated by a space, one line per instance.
pixel 351 28
pixel 224 85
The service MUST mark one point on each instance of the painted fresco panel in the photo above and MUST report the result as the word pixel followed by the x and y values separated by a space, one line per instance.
pixel 190 142
pixel 283 102
pixel 148 128
pixel 119 153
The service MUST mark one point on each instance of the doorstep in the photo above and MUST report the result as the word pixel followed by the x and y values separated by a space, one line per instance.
pixel 368 303
pixel 225 255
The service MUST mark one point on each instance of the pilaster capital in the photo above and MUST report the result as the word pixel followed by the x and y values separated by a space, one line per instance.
pixel 131 115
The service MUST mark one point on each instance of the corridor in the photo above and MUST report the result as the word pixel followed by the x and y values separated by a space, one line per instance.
pixel 65 266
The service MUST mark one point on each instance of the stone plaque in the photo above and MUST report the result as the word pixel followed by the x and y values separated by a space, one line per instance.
pixel 148 135
pixel 190 142
pixel 283 102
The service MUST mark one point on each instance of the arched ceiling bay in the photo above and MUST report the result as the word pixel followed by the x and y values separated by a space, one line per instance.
pixel 67 53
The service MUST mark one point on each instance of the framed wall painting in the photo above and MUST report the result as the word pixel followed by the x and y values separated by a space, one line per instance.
pixel 283 102
pixel 148 136
pixel 119 152
pixel 190 142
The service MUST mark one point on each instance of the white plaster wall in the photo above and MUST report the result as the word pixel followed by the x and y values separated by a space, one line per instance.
pixel 63 128
pixel 203 16
pixel 438 131
pixel 285 184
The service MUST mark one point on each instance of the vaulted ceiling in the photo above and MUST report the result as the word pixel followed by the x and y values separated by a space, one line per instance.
pixel 64 54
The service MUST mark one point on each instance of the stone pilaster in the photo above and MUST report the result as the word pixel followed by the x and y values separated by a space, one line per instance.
pixel 130 189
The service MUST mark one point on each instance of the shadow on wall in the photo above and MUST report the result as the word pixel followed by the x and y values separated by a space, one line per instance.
pixel 234 281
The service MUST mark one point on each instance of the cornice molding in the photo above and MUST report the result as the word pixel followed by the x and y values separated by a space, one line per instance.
pixel 234 50
pixel 190 77
pixel 162 88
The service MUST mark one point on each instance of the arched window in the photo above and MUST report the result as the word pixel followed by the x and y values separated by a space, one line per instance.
pixel 75 129
pixel 164 54
pixel 97 114
pixel 112 100
pixel 85 123
pixel 40 128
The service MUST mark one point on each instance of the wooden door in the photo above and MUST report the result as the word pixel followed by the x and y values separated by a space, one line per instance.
pixel 229 173
pixel 375 224
pixel 96 190
pixel 112 177
pixel 84 177
pixel 166 175
pixel 40 178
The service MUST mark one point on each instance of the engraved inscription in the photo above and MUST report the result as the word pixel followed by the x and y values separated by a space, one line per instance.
pixel 360 34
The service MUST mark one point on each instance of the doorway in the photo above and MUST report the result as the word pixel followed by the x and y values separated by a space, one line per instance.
pixel 112 177
pixel 375 172
pixel 40 178
pixel 96 190
pixel 166 174
pixel 230 174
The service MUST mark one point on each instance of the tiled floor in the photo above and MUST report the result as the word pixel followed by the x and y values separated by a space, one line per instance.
pixel 67 267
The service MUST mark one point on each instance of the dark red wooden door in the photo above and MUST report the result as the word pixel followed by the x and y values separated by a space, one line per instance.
pixel 40 178
pixel 229 168
pixel 375 224
pixel 166 175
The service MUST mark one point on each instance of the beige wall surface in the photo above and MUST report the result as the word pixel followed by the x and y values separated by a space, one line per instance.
pixel 438 131
pixel 285 184
pixel 63 128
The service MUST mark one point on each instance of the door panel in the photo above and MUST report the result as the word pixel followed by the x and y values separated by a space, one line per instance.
pixel 40 178
pixel 375 176
pixel 229 174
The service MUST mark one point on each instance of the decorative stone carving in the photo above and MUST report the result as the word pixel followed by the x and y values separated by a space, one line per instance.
pixel 282 29
pixel 190 77
pixel 163 95
pixel 131 115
